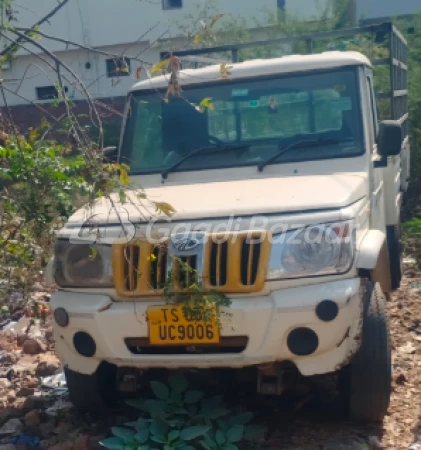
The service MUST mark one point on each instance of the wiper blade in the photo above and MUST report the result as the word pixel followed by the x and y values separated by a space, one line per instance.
pixel 299 144
pixel 213 149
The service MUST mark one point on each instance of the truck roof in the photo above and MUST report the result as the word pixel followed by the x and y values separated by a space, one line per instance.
pixel 256 67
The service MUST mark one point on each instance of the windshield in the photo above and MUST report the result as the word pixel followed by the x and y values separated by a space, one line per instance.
pixel 264 114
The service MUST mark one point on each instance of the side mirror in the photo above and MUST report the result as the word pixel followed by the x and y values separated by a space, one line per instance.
pixel 110 153
pixel 389 140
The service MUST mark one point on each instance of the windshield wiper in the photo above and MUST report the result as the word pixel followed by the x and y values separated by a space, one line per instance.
pixel 299 144
pixel 213 149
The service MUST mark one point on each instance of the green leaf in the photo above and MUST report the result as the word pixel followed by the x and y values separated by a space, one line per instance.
pixel 178 383
pixel 229 446
pixel 187 447
pixel 123 433
pixel 160 390
pixel 235 433
pixel 155 407
pixel 139 425
pixel 193 410
pixel 159 428
pixel 142 436
pixel 160 67
pixel 137 403
pixel 223 425
pixel 211 403
pixel 220 437
pixel 158 440
pixel 254 433
pixel 124 177
pixel 206 445
pixel 165 208
pixel 94 253
pixel 217 413
pixel 123 196
pixel 190 433
pixel 193 397
pixel 173 435
pixel 241 419
pixel 113 443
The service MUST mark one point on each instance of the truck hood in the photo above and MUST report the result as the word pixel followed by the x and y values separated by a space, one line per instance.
pixel 236 197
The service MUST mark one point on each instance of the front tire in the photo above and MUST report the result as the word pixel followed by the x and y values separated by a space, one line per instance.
pixel 368 379
pixel 92 393
pixel 395 255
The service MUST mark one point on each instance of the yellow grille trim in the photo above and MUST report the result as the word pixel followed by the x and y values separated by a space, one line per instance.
pixel 144 286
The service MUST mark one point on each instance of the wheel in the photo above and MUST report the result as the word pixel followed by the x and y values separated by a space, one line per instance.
pixel 395 255
pixel 367 380
pixel 92 392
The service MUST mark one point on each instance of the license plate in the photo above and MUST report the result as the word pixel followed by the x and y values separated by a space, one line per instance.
pixel 168 326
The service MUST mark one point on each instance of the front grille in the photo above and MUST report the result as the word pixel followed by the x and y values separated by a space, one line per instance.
pixel 234 265
pixel 141 346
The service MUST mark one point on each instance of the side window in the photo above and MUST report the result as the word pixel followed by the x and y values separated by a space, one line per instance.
pixel 373 106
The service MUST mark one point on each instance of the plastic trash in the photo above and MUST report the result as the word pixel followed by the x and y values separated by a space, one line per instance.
pixel 26 440
pixel 9 326
pixel 54 381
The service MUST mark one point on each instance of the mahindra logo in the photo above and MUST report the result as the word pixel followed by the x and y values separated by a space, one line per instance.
pixel 186 245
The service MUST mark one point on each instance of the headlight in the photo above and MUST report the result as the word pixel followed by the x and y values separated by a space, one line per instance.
pixel 83 265
pixel 326 249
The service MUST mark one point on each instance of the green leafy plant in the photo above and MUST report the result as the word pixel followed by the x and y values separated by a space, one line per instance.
pixel 179 418
pixel 196 304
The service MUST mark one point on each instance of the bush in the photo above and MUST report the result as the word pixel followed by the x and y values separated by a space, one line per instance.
pixel 182 419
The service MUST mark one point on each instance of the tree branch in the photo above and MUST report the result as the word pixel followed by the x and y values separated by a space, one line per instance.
pixel 40 22
pixel 71 71
pixel 84 47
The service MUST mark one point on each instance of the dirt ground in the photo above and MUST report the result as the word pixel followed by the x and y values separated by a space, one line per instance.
pixel 306 422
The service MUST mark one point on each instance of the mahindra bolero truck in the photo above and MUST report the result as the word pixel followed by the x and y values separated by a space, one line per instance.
pixel 285 177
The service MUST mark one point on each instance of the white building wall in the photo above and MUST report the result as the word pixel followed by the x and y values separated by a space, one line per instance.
pixel 28 72
pixel 111 22
pixel 115 26
pixel 306 9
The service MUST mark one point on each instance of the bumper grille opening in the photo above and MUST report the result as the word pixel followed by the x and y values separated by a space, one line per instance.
pixel 227 345
pixel 158 267
pixel 250 257
pixel 218 264
pixel 187 275
pixel 131 264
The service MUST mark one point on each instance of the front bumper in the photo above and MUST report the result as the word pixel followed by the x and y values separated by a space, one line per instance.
pixel 265 320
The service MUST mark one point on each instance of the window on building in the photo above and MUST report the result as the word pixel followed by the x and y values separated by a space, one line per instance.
pixel 118 67
pixel 172 4
pixel 48 92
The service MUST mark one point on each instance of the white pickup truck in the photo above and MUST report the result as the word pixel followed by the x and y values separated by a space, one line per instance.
pixel 287 158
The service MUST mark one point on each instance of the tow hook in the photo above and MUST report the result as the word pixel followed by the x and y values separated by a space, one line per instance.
pixel 270 380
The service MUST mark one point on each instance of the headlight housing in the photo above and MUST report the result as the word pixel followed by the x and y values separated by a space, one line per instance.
pixel 83 265
pixel 326 249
